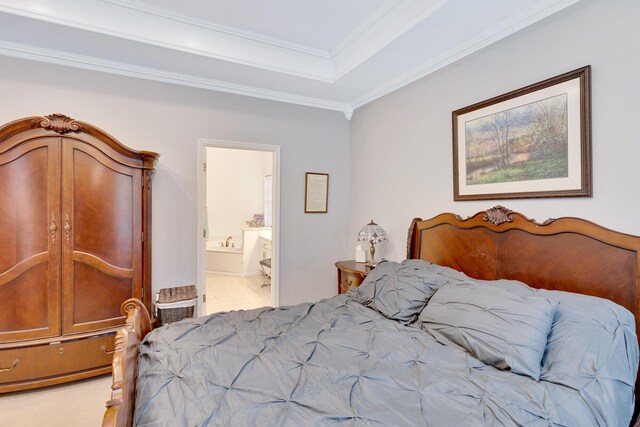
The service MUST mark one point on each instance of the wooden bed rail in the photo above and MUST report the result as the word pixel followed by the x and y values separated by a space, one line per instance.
pixel 119 411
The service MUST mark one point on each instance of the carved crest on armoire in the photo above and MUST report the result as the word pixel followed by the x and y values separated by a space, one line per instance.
pixel 75 242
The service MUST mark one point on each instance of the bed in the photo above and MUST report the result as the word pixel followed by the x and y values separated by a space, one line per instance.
pixel 382 355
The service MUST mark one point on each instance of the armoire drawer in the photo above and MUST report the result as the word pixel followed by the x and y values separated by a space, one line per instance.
pixel 61 358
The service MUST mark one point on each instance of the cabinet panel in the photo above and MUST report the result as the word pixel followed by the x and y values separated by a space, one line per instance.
pixel 25 302
pixel 102 249
pixel 29 228
pixel 102 202
pixel 88 299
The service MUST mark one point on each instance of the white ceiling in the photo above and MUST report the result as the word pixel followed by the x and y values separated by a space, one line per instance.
pixel 334 54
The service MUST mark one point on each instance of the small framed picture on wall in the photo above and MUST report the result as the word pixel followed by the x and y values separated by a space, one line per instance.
pixel 316 192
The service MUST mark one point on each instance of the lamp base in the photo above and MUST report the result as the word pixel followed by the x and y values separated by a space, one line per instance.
pixel 371 263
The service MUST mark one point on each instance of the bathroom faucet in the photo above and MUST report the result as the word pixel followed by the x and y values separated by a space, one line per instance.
pixel 226 244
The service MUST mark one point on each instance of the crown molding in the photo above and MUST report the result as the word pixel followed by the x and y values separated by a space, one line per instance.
pixel 51 56
pixel 135 20
pixel 133 6
pixel 391 22
pixel 397 17
pixel 365 27
pixel 125 20
pixel 499 32
pixel 377 32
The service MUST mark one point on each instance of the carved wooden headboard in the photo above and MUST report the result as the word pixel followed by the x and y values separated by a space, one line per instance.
pixel 567 254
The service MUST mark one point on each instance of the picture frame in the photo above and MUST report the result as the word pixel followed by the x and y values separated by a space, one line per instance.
pixel 316 192
pixel 532 142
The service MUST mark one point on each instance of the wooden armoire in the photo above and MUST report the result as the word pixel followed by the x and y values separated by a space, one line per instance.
pixel 75 242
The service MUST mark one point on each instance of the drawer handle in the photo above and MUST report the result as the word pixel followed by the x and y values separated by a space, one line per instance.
pixel 13 365
pixel 104 348
pixel 350 282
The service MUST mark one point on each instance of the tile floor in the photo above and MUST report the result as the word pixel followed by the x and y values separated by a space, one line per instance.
pixel 225 293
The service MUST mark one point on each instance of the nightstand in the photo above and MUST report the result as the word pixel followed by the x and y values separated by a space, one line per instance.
pixel 350 274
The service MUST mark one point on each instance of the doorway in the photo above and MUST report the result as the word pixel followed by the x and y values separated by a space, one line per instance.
pixel 238 224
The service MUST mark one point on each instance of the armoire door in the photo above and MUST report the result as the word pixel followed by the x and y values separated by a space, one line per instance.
pixel 101 226
pixel 30 226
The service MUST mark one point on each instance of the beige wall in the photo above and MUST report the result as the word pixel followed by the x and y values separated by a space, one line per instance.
pixel 169 119
pixel 401 153
pixel 235 189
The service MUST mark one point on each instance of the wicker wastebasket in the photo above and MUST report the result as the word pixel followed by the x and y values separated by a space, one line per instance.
pixel 173 304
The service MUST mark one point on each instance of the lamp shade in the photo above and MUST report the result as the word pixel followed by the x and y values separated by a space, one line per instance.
pixel 373 233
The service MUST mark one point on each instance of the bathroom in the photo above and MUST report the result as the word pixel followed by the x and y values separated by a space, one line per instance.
pixel 239 219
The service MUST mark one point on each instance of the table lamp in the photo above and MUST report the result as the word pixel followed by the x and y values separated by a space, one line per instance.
pixel 373 234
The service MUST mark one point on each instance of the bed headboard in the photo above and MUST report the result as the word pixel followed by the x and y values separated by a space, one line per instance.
pixel 567 254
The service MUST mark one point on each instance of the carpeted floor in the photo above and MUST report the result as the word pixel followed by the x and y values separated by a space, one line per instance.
pixel 79 403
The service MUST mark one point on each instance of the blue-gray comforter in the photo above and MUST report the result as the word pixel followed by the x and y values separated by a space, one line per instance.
pixel 338 362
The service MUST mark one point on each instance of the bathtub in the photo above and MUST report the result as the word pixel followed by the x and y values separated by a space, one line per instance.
pixel 215 246
pixel 223 259
pixel 241 260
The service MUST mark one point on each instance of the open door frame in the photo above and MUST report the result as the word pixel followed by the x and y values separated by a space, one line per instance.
pixel 203 144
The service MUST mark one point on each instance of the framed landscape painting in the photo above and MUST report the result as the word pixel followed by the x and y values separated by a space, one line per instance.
pixel 532 142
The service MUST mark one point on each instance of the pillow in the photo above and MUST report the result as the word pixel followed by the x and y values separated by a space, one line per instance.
pixel 593 348
pixel 425 266
pixel 400 291
pixel 497 325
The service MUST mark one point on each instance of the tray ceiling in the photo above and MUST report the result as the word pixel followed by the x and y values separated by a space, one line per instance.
pixel 333 54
